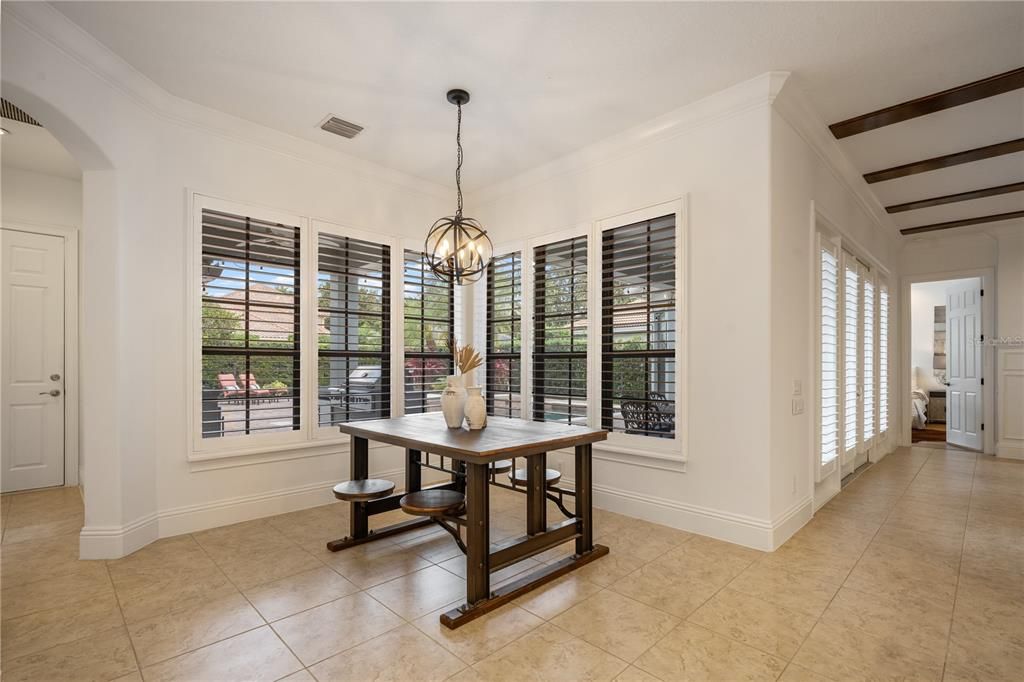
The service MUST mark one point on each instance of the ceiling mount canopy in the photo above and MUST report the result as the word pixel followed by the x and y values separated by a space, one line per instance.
pixel 457 247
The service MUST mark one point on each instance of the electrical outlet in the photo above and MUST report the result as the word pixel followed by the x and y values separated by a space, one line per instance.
pixel 798 406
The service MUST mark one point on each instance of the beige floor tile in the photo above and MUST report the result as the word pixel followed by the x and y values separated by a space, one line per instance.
pixel 419 593
pixel 982 603
pixel 946 548
pixel 165 636
pixel 673 588
pixel 795 673
pixel 691 652
pixel 134 676
pixel 634 674
pixel 758 623
pixel 331 628
pixel 479 638
pixel 913 621
pixel 888 570
pixel 62 591
pixel 851 654
pixel 374 563
pixel 621 626
pixel 241 540
pixel 25 562
pixel 20 528
pixel 981 653
pixel 457 565
pixel 256 656
pixel 437 546
pixel 298 592
pixel 44 629
pixel 300 676
pixel 172 590
pixel 256 570
pixel 552 599
pixel 546 649
pixel 620 561
pixel 399 655
pixel 780 587
pixel 102 656
pixel 813 565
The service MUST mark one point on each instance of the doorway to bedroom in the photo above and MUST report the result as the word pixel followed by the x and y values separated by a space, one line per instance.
pixel 946 362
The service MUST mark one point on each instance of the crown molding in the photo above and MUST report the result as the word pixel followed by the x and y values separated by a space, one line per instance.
pixel 793 105
pixel 751 94
pixel 53 27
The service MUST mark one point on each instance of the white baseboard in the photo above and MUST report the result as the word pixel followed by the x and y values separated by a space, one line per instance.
pixel 736 528
pixel 113 542
pixel 1010 448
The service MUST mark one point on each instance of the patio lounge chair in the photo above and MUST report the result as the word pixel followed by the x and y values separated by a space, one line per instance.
pixel 254 389
pixel 229 387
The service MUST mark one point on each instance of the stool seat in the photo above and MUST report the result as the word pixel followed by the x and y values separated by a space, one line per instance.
pixel 551 476
pixel 432 502
pixel 363 490
pixel 501 466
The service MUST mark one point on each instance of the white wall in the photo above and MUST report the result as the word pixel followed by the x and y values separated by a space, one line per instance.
pixel 924 297
pixel 805 169
pixel 30 197
pixel 140 153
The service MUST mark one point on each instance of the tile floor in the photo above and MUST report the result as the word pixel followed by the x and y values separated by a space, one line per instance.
pixel 915 571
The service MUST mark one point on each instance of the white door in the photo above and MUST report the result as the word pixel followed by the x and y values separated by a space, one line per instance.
pixel 963 364
pixel 32 367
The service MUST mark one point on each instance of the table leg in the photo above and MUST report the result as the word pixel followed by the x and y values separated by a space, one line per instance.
pixel 536 494
pixel 478 543
pixel 359 453
pixel 413 473
pixel 584 499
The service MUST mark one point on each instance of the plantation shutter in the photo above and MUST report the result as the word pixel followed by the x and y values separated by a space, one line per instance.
pixel 638 328
pixel 504 334
pixel 560 331
pixel 868 345
pixel 429 326
pixel 828 353
pixel 250 325
pixel 883 358
pixel 851 315
pixel 353 329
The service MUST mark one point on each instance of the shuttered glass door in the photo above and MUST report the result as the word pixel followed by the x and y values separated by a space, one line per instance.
pixel 868 348
pixel 851 358
pixel 883 359
pixel 828 357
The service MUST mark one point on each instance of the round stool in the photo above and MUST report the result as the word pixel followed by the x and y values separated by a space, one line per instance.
pixel 363 490
pixel 433 503
pixel 501 466
pixel 551 477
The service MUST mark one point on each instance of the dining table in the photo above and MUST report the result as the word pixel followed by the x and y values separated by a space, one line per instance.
pixel 467 457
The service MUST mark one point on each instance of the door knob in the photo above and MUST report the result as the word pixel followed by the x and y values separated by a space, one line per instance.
pixel 54 377
pixel 54 392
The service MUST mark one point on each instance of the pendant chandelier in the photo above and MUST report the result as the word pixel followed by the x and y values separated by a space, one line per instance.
pixel 458 248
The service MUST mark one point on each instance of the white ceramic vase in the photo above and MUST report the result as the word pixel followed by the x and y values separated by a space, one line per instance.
pixel 476 410
pixel 453 402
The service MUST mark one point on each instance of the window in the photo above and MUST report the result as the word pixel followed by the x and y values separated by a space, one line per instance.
pixel 504 342
pixel 250 326
pixel 883 358
pixel 429 327
pixel 868 346
pixel 851 376
pixel 353 329
pixel 638 328
pixel 828 355
pixel 560 331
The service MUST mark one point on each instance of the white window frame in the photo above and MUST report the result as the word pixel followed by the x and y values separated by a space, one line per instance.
pixel 626 443
pixel 480 321
pixel 310 351
pixel 310 439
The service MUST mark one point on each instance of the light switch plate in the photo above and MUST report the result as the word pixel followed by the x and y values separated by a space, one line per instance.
pixel 798 387
pixel 798 405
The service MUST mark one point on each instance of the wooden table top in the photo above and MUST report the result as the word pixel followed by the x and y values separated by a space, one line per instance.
pixel 502 438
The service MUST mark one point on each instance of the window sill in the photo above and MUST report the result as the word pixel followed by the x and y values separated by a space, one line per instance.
pixel 633 456
pixel 207 461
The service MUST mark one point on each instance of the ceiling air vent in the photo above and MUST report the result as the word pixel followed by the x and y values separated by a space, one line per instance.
pixel 13 113
pixel 339 127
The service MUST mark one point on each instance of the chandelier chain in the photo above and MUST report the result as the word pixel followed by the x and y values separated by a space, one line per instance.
pixel 458 166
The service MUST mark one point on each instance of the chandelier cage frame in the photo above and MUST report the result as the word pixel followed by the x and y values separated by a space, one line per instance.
pixel 457 247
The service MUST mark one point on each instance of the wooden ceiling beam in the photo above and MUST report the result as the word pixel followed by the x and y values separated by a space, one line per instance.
pixel 935 227
pixel 929 104
pixel 938 162
pixel 953 198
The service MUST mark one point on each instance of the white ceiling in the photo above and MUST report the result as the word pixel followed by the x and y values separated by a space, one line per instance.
pixel 33 148
pixel 548 78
